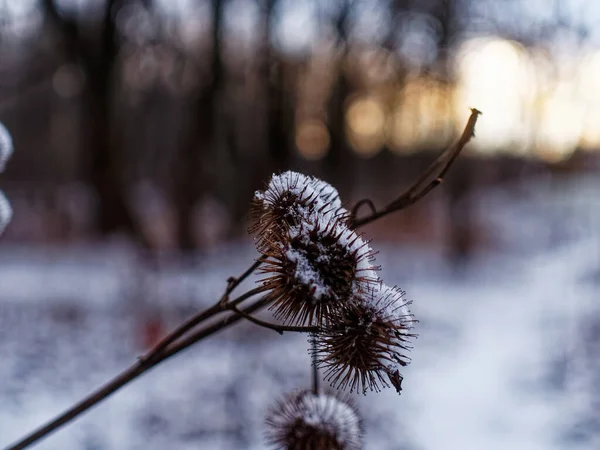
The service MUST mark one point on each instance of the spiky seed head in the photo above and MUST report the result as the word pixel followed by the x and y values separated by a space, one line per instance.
pixel 307 421
pixel 362 346
pixel 315 269
pixel 289 199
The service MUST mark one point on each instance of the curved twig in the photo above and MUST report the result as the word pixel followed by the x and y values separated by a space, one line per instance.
pixel 432 177
pixel 272 326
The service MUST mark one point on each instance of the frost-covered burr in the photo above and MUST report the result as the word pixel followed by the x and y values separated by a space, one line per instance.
pixel 363 345
pixel 305 420
pixel 289 199
pixel 314 268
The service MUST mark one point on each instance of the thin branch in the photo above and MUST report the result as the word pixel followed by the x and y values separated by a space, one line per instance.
pixel 272 326
pixel 432 177
pixel 192 322
pixel 364 201
pixel 196 336
pixel 164 349
pixel 235 282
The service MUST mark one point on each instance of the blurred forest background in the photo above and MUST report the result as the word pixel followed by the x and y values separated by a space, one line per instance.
pixel 142 129
pixel 156 120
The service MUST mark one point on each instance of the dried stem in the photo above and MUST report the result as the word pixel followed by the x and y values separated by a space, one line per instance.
pixel 164 349
pixel 272 326
pixel 432 177
pixel 189 324
pixel 187 333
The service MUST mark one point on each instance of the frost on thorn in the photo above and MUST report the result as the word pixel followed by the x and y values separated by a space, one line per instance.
pixel 363 346
pixel 6 146
pixel 290 199
pixel 314 268
pixel 304 420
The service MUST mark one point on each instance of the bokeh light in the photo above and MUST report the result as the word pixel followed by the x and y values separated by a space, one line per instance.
pixel 589 91
pixel 560 123
pixel 366 120
pixel 312 139
pixel 496 76
pixel 422 117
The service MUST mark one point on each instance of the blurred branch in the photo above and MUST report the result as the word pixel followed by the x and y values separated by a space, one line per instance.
pixel 432 177
pixel 31 88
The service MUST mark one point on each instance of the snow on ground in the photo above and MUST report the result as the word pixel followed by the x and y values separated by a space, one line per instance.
pixel 506 358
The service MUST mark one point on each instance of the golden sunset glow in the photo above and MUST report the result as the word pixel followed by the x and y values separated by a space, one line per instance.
pixel 496 76
pixel 312 139
pixel 533 106
pixel 589 92
pixel 366 120
pixel 560 125
pixel 423 117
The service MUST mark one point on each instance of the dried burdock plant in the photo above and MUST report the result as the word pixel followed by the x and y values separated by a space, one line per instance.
pixel 364 345
pixel 308 421
pixel 317 271
pixel 290 199
pixel 314 268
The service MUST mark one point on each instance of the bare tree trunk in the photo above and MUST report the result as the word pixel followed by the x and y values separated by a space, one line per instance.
pixel 101 165
pixel 339 161
pixel 195 166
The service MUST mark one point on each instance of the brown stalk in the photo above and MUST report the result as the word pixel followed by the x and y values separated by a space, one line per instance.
pixel 272 326
pixel 192 322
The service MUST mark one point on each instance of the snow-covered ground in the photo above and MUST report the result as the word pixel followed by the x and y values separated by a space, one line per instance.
pixel 506 355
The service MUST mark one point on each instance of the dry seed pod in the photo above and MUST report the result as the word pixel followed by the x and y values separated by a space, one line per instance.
pixel 308 421
pixel 364 343
pixel 290 199
pixel 314 268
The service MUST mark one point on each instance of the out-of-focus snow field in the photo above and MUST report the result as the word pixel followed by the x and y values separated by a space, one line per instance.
pixel 506 358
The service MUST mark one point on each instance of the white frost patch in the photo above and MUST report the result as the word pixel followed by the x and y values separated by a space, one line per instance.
pixel 308 275
pixel 6 146
pixel 389 303
pixel 5 212
pixel 324 198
